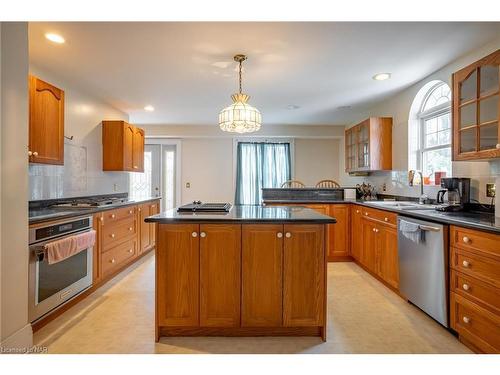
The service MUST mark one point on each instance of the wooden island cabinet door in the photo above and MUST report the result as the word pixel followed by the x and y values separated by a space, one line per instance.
pixel 177 285
pixel 303 275
pixel 220 275
pixel 262 275
pixel 356 232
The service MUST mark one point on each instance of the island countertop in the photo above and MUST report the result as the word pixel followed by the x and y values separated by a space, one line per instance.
pixel 246 214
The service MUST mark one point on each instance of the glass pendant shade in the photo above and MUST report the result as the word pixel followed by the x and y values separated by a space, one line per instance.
pixel 240 117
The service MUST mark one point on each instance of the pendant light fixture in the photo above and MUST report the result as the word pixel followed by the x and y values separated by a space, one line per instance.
pixel 240 117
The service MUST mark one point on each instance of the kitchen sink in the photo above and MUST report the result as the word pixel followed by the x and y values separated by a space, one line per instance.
pixel 403 205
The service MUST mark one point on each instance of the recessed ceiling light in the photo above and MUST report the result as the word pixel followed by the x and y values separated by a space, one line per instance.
pixel 292 106
pixel 149 108
pixel 56 38
pixel 381 76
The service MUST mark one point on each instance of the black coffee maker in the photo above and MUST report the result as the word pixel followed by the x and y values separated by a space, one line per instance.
pixel 458 190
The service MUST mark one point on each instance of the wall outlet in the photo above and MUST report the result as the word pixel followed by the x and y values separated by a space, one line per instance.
pixel 115 187
pixel 490 190
pixel 188 185
pixel 384 187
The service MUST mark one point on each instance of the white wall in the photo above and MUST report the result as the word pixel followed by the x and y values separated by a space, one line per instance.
pixel 15 330
pixel 398 107
pixel 82 171
pixel 316 159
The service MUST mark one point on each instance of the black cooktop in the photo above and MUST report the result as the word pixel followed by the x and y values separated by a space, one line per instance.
pixel 198 206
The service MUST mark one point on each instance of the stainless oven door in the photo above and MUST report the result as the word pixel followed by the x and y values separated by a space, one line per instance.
pixel 52 285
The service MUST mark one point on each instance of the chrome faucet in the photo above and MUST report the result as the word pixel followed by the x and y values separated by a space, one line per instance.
pixel 411 176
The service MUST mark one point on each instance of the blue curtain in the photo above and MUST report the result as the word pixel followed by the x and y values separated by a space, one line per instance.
pixel 260 165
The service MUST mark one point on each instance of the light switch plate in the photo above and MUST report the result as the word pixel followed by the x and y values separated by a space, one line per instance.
pixel 490 190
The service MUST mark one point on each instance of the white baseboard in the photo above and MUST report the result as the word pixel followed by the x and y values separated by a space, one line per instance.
pixel 22 339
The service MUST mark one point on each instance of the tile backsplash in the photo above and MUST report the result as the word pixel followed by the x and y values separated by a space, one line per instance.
pixel 80 175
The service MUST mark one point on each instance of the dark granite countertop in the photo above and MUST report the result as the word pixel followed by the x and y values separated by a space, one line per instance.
pixel 246 214
pixel 305 201
pixel 42 214
pixel 474 220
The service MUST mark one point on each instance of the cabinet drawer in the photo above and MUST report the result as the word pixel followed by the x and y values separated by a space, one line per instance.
pixel 118 214
pixel 475 290
pixel 115 233
pixel 476 241
pixel 380 215
pixel 483 268
pixel 477 325
pixel 118 256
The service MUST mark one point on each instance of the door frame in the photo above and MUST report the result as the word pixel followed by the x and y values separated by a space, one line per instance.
pixel 178 164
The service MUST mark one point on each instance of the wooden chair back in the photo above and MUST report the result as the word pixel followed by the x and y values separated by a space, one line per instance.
pixel 293 184
pixel 327 184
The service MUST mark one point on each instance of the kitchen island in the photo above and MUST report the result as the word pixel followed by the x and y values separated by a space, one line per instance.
pixel 254 271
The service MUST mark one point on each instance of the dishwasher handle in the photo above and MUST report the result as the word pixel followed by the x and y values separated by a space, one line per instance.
pixel 429 228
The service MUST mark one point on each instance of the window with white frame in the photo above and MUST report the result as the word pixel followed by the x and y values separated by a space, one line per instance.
pixel 433 151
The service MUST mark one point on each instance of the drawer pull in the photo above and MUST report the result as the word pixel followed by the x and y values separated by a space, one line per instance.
pixel 112 260
pixel 288 235
pixel 357 211
pixel 386 219
pixel 130 229
pixel 466 239
pixel 194 234
pixel 466 287
pixel 101 218
pixel 112 235
pixel 279 235
pixel 131 251
pixel 113 216
pixel 203 234
pixel 366 213
pixel 153 205
pixel 139 209
pixel 30 153
pixel 130 212
pixel 35 153
pixel 466 320
pixel 466 264
pixel 373 229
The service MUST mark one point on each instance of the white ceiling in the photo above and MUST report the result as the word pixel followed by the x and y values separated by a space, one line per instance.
pixel 185 70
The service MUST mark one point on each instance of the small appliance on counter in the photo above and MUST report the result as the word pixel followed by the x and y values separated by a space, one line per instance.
pixel 198 206
pixel 458 190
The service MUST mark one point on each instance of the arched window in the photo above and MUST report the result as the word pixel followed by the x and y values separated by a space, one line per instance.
pixel 430 131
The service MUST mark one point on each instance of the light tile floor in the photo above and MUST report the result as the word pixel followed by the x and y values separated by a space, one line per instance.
pixel 363 317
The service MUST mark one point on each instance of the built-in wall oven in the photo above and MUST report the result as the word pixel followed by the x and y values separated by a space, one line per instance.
pixel 51 285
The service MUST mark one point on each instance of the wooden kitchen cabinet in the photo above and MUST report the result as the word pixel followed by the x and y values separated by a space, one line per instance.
pixel 356 232
pixel 304 275
pixel 262 275
pixel 123 147
pixel 220 275
pixel 147 230
pixel 368 256
pixel 368 145
pixel 177 285
pixel 387 254
pixel 339 233
pixel 46 123
pixel 476 110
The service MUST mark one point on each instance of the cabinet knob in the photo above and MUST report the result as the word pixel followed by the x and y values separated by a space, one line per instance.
pixel 101 218
pixel 112 235
pixel 366 213
pixel 194 234
pixel 466 264
pixel 131 251
pixel 373 229
pixel 35 153
pixel 139 209
pixel 112 260
pixel 30 153
pixel 386 219
pixel 288 235
pixel 130 229
pixel 498 146
pixel 279 235
pixel 466 287
pixel 113 216
pixel 153 205
pixel 130 212
pixel 357 211
pixel 136 167
pixel 466 239
pixel 203 234
pixel 466 319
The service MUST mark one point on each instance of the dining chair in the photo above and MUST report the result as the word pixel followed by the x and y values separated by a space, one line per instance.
pixel 327 184
pixel 293 184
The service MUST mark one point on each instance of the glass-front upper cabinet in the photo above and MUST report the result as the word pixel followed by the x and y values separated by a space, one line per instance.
pixel 350 149
pixel 476 110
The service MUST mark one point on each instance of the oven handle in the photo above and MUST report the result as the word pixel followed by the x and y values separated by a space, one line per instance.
pixel 39 248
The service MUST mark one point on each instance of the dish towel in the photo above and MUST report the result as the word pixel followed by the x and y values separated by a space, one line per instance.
pixel 411 231
pixel 67 247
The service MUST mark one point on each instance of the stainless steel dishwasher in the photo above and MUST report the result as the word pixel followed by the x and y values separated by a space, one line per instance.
pixel 423 263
